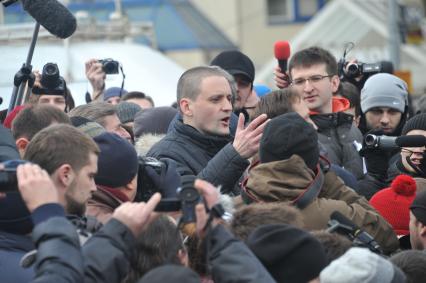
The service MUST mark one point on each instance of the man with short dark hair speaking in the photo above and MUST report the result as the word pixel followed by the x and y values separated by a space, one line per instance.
pixel 200 141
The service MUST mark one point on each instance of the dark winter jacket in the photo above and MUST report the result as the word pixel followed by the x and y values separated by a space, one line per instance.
pixel 211 158
pixel 337 135
pixel 59 257
pixel 12 248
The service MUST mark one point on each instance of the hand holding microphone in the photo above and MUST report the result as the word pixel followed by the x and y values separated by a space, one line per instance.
pixel 282 53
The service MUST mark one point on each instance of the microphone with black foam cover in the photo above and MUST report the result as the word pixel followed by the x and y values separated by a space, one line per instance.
pixel 52 15
pixel 390 143
pixel 356 234
pixel 282 53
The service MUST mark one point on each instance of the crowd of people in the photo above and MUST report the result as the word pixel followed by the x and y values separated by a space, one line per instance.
pixel 233 183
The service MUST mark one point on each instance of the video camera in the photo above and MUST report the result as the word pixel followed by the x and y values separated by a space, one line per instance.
pixel 391 143
pixel 8 180
pixel 51 81
pixel 354 70
pixel 176 198
pixel 109 66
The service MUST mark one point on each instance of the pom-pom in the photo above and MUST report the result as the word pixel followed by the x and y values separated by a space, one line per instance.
pixel 404 185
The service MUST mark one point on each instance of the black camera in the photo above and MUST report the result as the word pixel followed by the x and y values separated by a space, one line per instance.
pixel 357 69
pixel 8 180
pixel 109 66
pixel 175 196
pixel 51 81
pixel 390 143
pixel 146 186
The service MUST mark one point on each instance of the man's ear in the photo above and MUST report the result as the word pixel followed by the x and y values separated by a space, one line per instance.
pixel 21 145
pixel 185 105
pixel 65 175
pixel 335 81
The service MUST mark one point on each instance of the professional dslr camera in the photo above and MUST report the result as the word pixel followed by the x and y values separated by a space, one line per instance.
pixel 109 66
pixel 51 82
pixel 161 176
pixel 8 180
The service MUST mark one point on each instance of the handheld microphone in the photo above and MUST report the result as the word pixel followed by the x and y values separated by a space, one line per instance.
pixel 52 15
pixel 386 142
pixel 282 53
pixel 356 234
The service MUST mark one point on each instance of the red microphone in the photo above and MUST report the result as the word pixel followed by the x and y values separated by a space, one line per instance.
pixel 282 53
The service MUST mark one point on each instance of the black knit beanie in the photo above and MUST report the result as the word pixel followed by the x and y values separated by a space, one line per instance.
pixel 117 161
pixel 286 135
pixel 418 207
pixel 417 122
pixel 235 63
pixel 289 254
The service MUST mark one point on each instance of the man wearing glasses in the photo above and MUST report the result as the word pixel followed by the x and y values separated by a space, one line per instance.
pixel 313 74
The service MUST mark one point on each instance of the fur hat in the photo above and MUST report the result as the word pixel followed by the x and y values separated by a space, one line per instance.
pixel 394 203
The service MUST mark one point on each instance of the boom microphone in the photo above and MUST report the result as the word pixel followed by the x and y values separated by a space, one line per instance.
pixel 386 142
pixel 355 233
pixel 282 53
pixel 52 15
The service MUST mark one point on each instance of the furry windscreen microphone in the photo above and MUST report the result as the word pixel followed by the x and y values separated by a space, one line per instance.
pixel 52 15
pixel 282 53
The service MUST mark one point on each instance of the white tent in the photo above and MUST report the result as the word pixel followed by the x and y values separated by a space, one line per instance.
pixel 146 70
pixel 363 22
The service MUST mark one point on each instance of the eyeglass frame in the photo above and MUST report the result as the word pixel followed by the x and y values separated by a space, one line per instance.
pixel 312 80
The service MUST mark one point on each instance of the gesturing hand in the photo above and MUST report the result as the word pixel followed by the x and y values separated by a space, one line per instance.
pixel 246 141
pixel 137 216
pixel 35 186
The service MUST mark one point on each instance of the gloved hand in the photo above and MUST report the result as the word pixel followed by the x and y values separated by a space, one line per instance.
pixel 168 180
pixel 376 159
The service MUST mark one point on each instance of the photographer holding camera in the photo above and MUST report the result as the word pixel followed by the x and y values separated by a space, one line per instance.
pixel 384 106
pixel 96 72
pixel 50 88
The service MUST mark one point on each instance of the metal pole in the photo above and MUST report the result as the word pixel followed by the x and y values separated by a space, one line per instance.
pixel 394 34
pixel 18 90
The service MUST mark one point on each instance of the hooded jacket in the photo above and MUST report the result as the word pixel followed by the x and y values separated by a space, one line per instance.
pixel 211 158
pixel 337 134
pixel 285 180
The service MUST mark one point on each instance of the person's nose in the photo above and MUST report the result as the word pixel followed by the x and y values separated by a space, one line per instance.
pixel 384 120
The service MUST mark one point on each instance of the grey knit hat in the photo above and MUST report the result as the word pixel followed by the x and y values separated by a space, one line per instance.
pixel 361 265
pixel 384 90
pixel 126 111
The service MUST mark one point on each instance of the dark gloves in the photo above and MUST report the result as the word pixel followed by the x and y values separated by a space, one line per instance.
pixel 165 178
pixel 376 159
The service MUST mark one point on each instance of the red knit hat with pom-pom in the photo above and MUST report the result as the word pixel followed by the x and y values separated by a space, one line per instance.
pixel 394 203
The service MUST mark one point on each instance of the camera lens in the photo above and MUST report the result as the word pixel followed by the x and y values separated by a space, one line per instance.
pixel 189 194
pixel 50 75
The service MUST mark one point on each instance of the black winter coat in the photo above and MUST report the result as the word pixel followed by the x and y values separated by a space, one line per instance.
pixel 211 158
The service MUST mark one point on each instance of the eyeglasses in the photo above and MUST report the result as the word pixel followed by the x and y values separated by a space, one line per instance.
pixel 410 152
pixel 312 79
